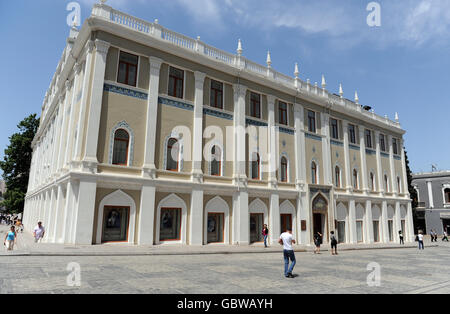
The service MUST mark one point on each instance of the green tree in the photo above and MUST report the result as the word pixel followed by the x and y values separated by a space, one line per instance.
pixel 16 164
pixel 413 194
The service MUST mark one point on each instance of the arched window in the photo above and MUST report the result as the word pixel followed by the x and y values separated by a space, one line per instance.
pixel 337 177
pixel 172 154
pixel 284 170
pixel 447 196
pixel 372 182
pixel 121 145
pixel 314 173
pixel 255 166
pixel 386 183
pixel 355 179
pixel 216 163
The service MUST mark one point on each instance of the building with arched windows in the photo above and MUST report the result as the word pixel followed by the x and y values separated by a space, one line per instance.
pixel 150 137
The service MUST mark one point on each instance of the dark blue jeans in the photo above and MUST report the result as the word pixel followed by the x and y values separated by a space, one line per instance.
pixel 288 255
pixel 420 245
pixel 265 240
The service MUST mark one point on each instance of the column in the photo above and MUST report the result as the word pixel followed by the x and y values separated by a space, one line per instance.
pixel 409 224
pixel 84 216
pixel 384 223
pixel 56 137
pixel 67 213
pixel 147 215
pixel 300 154
pixel 63 129
pixel 379 168
pixel 397 221
pixel 152 119
pixel 273 148
pixel 348 180
pixel 75 188
pixel 71 120
pixel 392 166
pixel 352 222
pixel 369 223
pixel 83 104
pixel 430 194
pixel 304 213
pixel 197 173
pixel 274 219
pixel 365 185
pixel 90 157
pixel 241 218
pixel 239 133
pixel 196 217
pixel 404 174
pixel 326 151
pixel 59 210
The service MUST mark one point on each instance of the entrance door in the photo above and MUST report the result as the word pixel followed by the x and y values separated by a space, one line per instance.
pixel 256 225
pixel 286 222
pixel 115 224
pixel 215 227
pixel 376 231
pixel 446 224
pixel 318 223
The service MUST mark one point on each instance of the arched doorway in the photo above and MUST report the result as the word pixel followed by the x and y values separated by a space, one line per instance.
pixel 320 216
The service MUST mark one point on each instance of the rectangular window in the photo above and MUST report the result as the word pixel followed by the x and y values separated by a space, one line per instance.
pixel 256 225
pixel 351 134
pixel 395 146
pixel 170 224
pixel 368 138
pixel 282 113
pixel 255 105
pixel 128 68
pixel 115 224
pixel 341 231
pixel 391 230
pixel 334 129
pixel 176 82
pixel 376 231
pixel 311 121
pixel 216 94
pixel 215 227
pixel 382 143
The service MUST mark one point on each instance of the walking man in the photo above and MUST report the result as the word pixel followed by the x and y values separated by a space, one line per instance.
pixel 38 232
pixel 286 240
pixel 445 238
pixel 265 233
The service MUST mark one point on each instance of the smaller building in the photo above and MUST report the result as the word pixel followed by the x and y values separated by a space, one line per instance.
pixel 433 193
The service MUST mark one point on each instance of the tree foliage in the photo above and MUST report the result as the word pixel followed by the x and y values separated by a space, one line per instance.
pixel 16 164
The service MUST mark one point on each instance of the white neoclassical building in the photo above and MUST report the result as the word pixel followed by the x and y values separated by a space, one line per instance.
pixel 150 137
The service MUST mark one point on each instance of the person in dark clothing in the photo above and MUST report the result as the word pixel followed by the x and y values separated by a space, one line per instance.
pixel 334 244
pixel 265 233
pixel 400 234
pixel 317 242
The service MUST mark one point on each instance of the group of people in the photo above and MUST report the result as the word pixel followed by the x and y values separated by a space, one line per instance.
pixel 434 236
pixel 287 240
pixel 11 236
pixel 8 219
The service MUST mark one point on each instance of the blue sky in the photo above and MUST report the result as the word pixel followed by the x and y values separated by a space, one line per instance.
pixel 402 66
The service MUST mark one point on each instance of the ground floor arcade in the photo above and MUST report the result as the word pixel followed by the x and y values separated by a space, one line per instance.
pixel 89 211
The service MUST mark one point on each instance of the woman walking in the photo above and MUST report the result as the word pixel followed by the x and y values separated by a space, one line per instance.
pixel 10 239
pixel 400 234
pixel 317 242
pixel 265 233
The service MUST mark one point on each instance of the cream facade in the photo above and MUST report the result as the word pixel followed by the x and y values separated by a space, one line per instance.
pixel 149 137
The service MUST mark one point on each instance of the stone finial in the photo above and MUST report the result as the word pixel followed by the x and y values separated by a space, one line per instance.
pixel 341 91
pixel 324 83
pixel 269 60
pixel 396 117
pixel 103 1
pixel 239 48
pixel 296 71
pixel 156 21
pixel 356 97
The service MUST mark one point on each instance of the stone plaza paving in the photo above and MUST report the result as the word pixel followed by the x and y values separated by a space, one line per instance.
pixel 406 270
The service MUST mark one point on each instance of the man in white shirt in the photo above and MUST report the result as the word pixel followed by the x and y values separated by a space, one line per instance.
pixel 38 232
pixel 286 240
